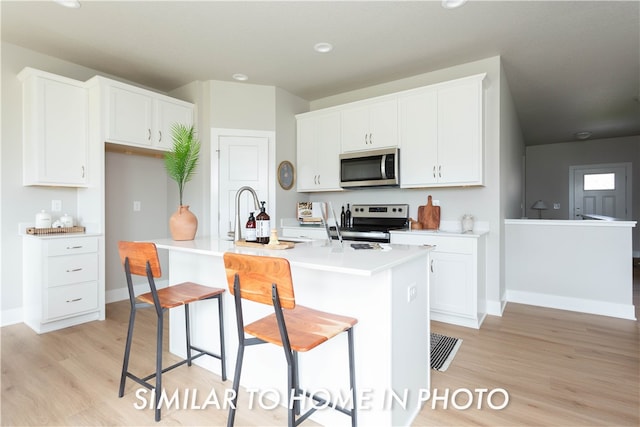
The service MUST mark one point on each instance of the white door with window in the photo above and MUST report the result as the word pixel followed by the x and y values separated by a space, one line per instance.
pixel 242 158
pixel 600 190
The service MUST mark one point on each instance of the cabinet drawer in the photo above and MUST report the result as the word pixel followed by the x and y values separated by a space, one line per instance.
pixel 65 270
pixel 77 245
pixel 459 245
pixel 71 299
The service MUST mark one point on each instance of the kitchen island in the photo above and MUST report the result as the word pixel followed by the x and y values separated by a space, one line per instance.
pixel 386 289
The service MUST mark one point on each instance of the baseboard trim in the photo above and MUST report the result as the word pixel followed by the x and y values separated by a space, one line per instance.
pixel 11 317
pixel 621 311
pixel 496 308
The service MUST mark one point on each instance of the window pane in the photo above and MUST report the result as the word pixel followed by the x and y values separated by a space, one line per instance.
pixel 600 181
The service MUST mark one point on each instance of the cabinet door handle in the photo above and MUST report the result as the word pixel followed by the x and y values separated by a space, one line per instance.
pixel 318 179
pixel 434 171
pixel 74 247
pixel 74 300
pixel 440 171
pixel 370 138
pixel 159 136
pixel 82 171
pixel 149 135
pixel 74 270
pixel 431 267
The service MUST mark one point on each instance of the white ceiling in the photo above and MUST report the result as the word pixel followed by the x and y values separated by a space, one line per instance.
pixel 571 66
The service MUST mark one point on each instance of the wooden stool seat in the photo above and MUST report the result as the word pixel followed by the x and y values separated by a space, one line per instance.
pixel 141 259
pixel 181 294
pixel 267 280
pixel 307 328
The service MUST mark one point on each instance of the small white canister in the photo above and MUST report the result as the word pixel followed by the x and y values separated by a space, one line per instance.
pixel 43 219
pixel 467 223
pixel 66 220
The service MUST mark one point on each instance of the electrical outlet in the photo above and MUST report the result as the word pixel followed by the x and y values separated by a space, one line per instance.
pixel 136 206
pixel 56 206
pixel 556 205
pixel 412 292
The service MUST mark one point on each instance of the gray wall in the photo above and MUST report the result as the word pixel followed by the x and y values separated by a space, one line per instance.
pixel 128 178
pixel 547 173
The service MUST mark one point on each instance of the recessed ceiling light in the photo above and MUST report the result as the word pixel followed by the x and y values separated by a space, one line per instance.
pixel 323 47
pixel 583 135
pixel 71 4
pixel 240 77
pixel 452 4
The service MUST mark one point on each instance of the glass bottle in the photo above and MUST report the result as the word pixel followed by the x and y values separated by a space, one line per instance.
pixel 342 218
pixel 347 217
pixel 250 229
pixel 263 228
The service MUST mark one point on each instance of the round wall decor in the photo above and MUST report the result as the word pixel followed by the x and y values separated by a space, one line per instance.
pixel 286 175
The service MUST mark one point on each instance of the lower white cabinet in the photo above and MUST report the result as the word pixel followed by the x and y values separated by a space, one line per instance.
pixel 61 282
pixel 457 269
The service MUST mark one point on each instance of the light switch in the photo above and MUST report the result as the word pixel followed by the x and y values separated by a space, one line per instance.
pixel 556 206
pixel 56 206
pixel 136 206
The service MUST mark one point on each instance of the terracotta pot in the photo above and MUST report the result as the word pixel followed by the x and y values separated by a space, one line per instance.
pixel 183 224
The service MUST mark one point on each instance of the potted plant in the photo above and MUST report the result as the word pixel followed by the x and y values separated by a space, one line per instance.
pixel 180 164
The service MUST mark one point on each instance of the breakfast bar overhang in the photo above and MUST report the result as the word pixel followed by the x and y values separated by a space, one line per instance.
pixel 386 289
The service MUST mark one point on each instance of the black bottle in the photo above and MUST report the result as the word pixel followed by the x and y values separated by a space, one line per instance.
pixel 343 220
pixel 347 217
pixel 250 229
pixel 263 228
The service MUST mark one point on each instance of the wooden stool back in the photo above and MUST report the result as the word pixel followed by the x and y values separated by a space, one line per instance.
pixel 139 253
pixel 257 274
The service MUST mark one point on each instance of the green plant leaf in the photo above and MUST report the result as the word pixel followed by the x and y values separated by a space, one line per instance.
pixel 182 160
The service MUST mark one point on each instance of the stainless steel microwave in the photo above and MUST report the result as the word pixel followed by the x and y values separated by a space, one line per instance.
pixel 372 168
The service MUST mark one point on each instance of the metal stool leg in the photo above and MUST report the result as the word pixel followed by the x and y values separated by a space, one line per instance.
pixel 236 385
pixel 223 359
pixel 127 351
pixel 188 333
pixel 352 378
pixel 158 387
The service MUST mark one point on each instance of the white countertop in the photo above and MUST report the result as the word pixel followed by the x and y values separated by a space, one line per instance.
pixel 571 222
pixel 442 233
pixel 318 255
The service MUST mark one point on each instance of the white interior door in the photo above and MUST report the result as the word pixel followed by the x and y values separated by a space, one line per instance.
pixel 243 159
pixel 601 190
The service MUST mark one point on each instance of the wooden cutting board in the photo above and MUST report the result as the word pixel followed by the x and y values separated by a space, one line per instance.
pixel 429 215
pixel 281 245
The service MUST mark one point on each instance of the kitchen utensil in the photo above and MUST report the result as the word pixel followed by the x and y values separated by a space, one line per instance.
pixel 429 215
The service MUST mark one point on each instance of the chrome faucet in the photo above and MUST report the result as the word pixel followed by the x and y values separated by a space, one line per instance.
pixel 237 235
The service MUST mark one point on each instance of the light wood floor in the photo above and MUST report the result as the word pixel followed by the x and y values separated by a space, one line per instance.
pixel 559 368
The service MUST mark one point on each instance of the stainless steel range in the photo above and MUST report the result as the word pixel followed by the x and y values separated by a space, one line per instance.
pixel 372 223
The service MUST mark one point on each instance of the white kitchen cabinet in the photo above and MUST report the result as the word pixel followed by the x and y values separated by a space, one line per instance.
pixel 55 130
pixel 318 151
pixel 370 125
pixel 314 232
pixel 142 118
pixel 61 281
pixel 441 134
pixel 457 275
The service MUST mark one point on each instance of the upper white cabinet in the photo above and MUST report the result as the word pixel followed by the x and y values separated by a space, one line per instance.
pixel 370 125
pixel 318 151
pixel 441 134
pixel 143 118
pixel 55 130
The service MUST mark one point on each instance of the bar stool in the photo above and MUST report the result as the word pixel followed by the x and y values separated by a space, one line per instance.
pixel 267 280
pixel 141 259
